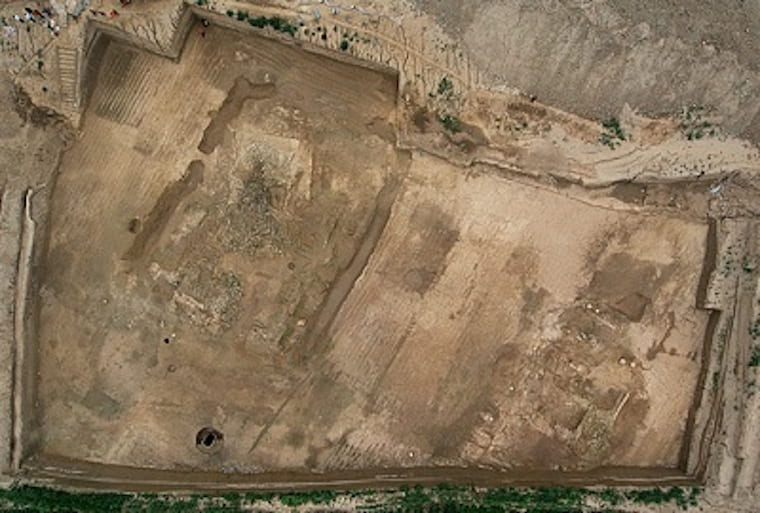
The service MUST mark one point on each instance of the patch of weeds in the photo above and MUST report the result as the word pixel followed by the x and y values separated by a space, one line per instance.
pixel 445 87
pixel 754 329
pixel 612 134
pixel 439 499
pixel 295 499
pixel 747 265
pixel 450 123
pixel 754 358
pixel 275 22
pixel 729 264
pixel 693 125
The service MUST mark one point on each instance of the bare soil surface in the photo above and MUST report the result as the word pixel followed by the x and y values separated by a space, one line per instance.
pixel 266 265
pixel 256 261
pixel 183 273
pixel 592 57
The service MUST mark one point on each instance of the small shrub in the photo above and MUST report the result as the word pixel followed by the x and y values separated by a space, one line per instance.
pixel 450 123
pixel 612 133
pixel 278 24
pixel 754 358
pixel 445 87
pixel 613 125
pixel 693 125
pixel 344 45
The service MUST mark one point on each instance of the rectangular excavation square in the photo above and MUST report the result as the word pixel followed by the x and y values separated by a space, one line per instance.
pixel 244 274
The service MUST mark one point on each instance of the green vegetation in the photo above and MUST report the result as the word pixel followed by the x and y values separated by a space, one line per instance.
pixel 729 262
pixel 278 24
pixel 28 498
pixel 201 2
pixel 612 134
pixel 445 88
pixel 754 358
pixel 344 45
pixel 747 264
pixel 275 22
pixel 230 13
pixel 754 329
pixel 438 499
pixel 450 123
pixel 692 124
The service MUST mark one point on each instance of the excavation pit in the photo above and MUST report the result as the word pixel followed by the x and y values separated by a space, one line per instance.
pixel 209 440
pixel 344 305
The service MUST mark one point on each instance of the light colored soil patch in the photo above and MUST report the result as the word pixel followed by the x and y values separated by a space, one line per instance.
pixel 490 327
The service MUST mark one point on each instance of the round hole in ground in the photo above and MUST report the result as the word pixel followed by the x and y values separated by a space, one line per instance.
pixel 209 439
pixel 134 225
pixel 166 340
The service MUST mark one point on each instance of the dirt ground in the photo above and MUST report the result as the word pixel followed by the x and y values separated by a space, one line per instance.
pixel 473 337
pixel 592 57
pixel 181 273
pixel 260 260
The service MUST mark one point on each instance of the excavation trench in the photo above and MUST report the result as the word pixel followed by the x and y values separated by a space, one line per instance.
pixel 319 326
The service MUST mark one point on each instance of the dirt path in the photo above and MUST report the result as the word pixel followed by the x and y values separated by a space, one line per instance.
pixel 99 477
pixel 10 233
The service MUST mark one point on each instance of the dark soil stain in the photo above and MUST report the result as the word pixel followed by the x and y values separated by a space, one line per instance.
pixel 242 91
pixel 533 299
pixel 627 284
pixel 429 240
pixel 162 211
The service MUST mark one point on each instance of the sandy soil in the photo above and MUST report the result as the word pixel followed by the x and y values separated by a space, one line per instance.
pixel 593 57
pixel 234 290
pixel 222 221
pixel 237 242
